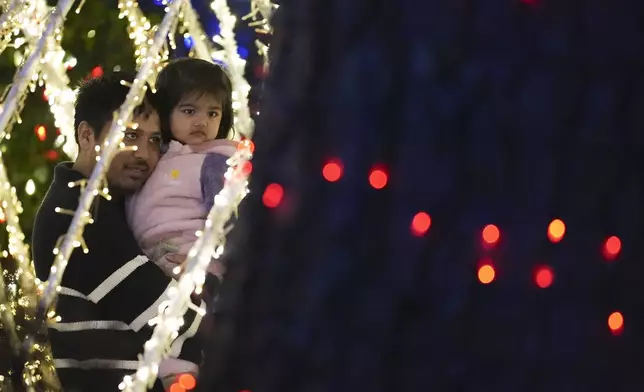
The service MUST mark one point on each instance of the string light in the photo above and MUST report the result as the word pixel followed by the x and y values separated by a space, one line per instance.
pixel 141 33
pixel 209 245
pixel 9 22
pixel 54 76
pixel 6 314
pixel 38 367
pixel 236 67
pixel 421 224
pixel 544 276
pixel 616 323
pixel 191 26
pixel 261 12
pixel 332 170
pixel 378 178
pixel 486 272
pixel 490 235
pixel 95 185
pixel 611 248
pixel 273 195
pixel 556 230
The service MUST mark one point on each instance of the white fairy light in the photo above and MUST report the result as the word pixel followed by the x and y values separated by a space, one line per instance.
pixel 243 123
pixel 208 246
pixel 95 185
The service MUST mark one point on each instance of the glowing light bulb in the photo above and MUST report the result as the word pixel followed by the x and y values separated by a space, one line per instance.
pixel 30 188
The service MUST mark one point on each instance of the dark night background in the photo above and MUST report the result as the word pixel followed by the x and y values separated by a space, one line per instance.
pixel 505 112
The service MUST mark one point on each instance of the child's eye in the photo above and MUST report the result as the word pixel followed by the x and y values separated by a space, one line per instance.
pixel 189 111
pixel 130 136
pixel 213 114
pixel 156 139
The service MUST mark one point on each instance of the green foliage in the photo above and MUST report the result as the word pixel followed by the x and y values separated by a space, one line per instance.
pixel 26 157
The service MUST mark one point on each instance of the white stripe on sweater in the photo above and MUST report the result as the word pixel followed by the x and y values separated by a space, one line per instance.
pixel 94 324
pixel 175 349
pixel 148 314
pixel 117 277
pixel 95 364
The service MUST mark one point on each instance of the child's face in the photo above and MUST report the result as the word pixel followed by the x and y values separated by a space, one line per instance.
pixel 196 119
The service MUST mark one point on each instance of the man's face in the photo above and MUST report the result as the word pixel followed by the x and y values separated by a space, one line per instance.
pixel 130 169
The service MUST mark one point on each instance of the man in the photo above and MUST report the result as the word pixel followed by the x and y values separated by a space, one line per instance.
pixel 109 294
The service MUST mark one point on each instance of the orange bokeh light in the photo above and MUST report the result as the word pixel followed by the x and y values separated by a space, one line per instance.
pixel 556 230
pixel 486 273
pixel 544 276
pixel 41 133
pixel 176 387
pixel 421 223
pixel 616 323
pixel 187 381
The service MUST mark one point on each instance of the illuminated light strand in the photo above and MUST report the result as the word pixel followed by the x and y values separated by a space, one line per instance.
pixel 142 34
pixel 112 145
pixel 209 244
pixel 243 123
pixel 261 12
pixel 9 23
pixel 59 95
pixel 38 368
pixel 8 322
pixel 200 42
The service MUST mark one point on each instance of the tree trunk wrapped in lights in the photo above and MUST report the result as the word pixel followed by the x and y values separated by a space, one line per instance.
pixel 506 113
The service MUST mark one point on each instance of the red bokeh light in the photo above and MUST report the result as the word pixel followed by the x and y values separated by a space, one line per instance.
pixel 490 235
pixel 247 168
pixel 378 178
pixel 52 155
pixel 544 276
pixel 273 195
pixel 616 323
pixel 97 72
pixel 421 224
pixel 333 170
pixel 612 247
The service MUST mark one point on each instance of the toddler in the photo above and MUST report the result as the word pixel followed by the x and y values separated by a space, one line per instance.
pixel 194 100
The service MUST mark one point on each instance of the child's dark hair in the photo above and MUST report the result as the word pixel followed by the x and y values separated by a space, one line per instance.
pixel 99 98
pixel 186 76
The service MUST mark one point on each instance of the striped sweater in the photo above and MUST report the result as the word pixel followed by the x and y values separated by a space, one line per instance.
pixel 108 295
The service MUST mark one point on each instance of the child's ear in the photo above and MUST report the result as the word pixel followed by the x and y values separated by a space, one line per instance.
pixel 86 138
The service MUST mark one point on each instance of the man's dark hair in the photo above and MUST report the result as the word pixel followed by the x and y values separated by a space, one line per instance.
pixel 99 98
pixel 186 76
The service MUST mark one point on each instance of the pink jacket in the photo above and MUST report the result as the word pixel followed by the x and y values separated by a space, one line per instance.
pixel 175 200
